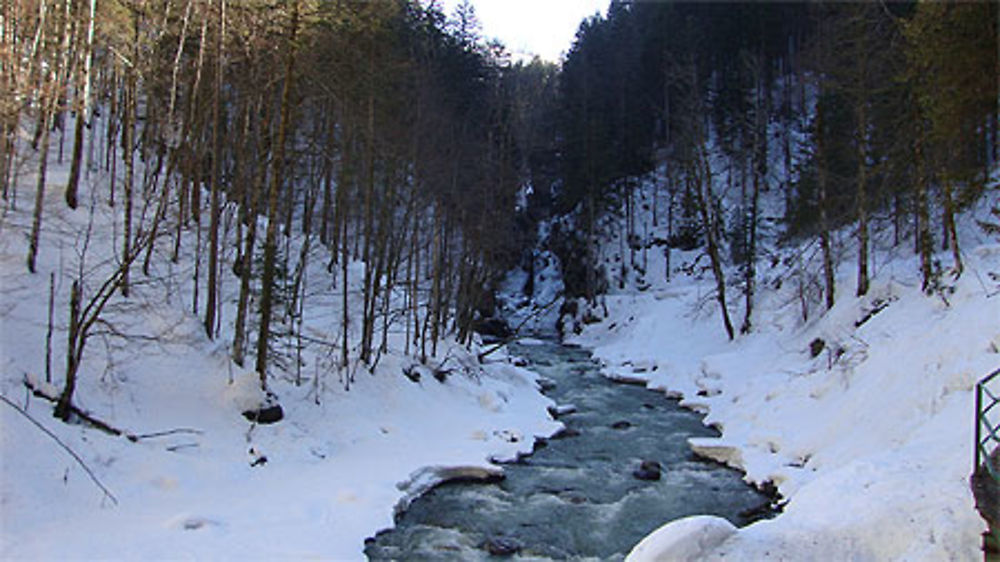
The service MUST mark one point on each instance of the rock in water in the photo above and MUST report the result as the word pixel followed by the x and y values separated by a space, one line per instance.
pixel 501 546
pixel 648 470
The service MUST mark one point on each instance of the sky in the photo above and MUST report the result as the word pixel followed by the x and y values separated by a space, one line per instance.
pixel 542 27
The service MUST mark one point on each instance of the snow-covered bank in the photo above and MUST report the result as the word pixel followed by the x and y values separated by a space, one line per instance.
pixel 333 475
pixel 314 485
pixel 867 432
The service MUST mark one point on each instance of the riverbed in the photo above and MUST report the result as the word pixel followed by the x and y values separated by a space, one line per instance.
pixel 590 492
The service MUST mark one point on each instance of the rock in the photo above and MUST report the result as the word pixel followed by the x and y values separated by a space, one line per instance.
pixel 441 375
pixel 565 433
pixel 648 470
pixel 493 329
pixel 501 546
pixel 561 410
pixel 411 372
pixel 717 450
pixel 265 414
pixel 816 347
pixel 986 490
pixel 256 457
pixel 545 384
pixel 754 514
pixel 574 498
pixel 622 424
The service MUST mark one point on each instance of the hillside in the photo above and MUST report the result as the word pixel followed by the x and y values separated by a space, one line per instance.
pixel 352 445
pixel 860 415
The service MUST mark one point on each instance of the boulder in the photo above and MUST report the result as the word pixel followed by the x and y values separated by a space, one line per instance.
pixel 648 470
pixel 265 414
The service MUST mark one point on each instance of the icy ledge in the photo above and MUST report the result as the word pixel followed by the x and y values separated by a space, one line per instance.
pixel 425 479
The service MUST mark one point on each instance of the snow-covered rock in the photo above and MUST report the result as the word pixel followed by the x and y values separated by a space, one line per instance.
pixel 683 540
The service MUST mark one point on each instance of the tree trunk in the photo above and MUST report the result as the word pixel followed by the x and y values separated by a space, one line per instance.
pixel 246 264
pixel 84 109
pixel 949 226
pixel 63 407
pixel 211 303
pixel 128 148
pixel 861 202
pixel 43 161
pixel 824 221
pixel 270 242
pixel 923 230
pixel 759 172
pixel 706 206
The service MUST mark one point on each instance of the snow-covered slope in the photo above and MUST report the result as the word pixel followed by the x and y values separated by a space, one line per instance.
pixel 869 441
pixel 335 466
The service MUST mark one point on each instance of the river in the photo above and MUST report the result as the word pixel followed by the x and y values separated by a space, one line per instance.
pixel 577 496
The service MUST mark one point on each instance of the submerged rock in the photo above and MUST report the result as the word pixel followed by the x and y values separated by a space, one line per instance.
pixel 648 470
pixel 501 546
pixel 565 433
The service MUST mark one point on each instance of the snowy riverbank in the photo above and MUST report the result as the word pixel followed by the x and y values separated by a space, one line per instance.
pixel 869 438
pixel 336 465
pixel 333 474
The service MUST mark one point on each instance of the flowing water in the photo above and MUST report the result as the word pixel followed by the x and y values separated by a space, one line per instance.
pixel 576 496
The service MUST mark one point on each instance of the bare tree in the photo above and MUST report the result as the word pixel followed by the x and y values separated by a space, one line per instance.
pixel 270 242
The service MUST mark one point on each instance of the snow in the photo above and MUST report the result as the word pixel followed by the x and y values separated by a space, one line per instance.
pixel 869 442
pixel 314 485
pixel 683 540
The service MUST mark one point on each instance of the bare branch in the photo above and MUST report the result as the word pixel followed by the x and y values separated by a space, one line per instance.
pixel 64 446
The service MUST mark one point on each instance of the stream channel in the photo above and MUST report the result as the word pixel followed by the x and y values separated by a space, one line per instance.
pixel 576 496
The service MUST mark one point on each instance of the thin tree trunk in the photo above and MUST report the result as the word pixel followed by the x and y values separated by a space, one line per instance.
pixel 345 310
pixel 83 111
pixel 949 226
pixel 251 210
pixel 270 242
pixel 706 206
pixel 759 172
pixel 824 221
pixel 63 407
pixel 862 196
pixel 128 146
pixel 211 303
pixel 923 230
pixel 43 161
